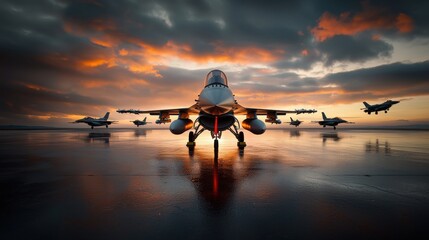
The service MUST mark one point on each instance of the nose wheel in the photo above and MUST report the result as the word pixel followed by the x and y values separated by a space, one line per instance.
pixel 216 147
pixel 191 141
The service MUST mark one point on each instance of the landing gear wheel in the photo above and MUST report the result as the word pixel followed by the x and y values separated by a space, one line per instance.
pixel 385 111
pixel 241 144
pixel 216 148
pixel 92 127
pixel 191 136
pixel 335 127
pixel 107 126
pixel 241 137
pixel 376 113
pixel 191 142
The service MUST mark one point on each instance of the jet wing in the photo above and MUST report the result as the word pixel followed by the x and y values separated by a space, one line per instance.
pixel 111 121
pixel 260 111
pixel 103 121
pixel 174 111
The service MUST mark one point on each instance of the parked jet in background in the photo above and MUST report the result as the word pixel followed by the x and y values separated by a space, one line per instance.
pixel 138 122
pixel 216 108
pixel 295 123
pixel 379 107
pixel 331 121
pixel 96 122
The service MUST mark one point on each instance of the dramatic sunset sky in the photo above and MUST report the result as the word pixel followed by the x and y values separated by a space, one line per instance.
pixel 62 60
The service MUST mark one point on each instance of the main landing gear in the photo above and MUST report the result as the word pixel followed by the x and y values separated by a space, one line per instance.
pixel 216 135
pixel 241 144
pixel 193 136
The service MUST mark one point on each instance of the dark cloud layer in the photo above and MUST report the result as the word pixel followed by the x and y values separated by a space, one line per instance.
pixel 343 48
pixel 62 57
pixel 397 79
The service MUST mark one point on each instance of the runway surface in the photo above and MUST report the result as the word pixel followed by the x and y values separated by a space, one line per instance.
pixel 144 184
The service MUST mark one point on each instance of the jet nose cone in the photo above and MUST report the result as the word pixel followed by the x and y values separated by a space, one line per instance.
pixel 216 100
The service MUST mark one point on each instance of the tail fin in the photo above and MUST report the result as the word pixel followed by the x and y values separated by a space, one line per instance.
pixel 144 120
pixel 291 119
pixel 366 104
pixel 324 116
pixel 106 116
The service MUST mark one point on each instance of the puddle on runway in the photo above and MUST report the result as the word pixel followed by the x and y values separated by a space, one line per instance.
pixel 142 183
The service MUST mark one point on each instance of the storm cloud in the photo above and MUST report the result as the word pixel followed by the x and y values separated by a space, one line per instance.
pixel 62 58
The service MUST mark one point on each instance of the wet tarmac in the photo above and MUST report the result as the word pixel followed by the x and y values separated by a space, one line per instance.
pixel 144 184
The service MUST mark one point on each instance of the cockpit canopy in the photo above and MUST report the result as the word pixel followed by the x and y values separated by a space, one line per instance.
pixel 216 77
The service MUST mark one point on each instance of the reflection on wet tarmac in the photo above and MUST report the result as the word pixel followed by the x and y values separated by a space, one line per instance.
pixel 377 146
pixel 53 184
pixel 98 136
pixel 295 133
pixel 141 132
pixel 215 180
pixel 330 136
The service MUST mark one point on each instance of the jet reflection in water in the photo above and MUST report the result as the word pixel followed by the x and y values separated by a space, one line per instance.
pixel 141 132
pixel 377 147
pixel 295 133
pixel 216 180
pixel 332 136
pixel 95 136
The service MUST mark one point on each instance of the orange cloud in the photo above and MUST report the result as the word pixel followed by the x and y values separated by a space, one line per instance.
pixel 106 34
pixel 102 42
pixel 36 87
pixel 143 68
pixel 118 84
pixel 404 23
pixel 123 52
pixel 92 63
pixel 369 19
pixel 162 55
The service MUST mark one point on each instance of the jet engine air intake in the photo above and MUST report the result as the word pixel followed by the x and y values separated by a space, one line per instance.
pixel 224 121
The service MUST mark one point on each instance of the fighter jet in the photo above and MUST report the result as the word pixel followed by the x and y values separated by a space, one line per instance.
pixel 295 123
pixel 96 122
pixel 216 108
pixel 302 110
pixel 379 107
pixel 139 122
pixel 331 121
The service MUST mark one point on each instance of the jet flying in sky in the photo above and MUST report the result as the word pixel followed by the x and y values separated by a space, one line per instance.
pixel 379 107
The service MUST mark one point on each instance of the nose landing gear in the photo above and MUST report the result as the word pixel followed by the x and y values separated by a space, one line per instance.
pixel 216 135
